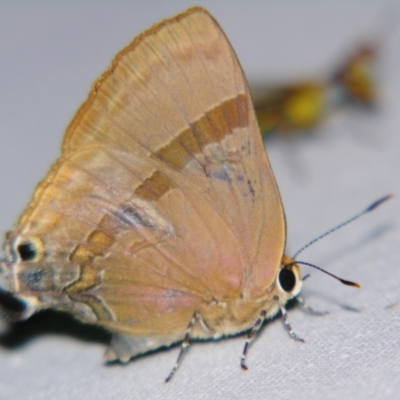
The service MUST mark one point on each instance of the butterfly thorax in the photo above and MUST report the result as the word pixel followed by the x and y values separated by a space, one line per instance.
pixel 236 315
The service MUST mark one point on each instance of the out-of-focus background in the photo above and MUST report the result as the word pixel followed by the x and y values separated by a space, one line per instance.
pixel 51 52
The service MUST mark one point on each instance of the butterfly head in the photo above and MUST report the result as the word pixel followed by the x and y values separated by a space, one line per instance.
pixel 288 280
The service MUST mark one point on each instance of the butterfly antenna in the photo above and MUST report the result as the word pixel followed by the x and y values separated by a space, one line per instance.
pixel 344 281
pixel 372 207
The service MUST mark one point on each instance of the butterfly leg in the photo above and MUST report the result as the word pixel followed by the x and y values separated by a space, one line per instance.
pixel 310 310
pixel 286 323
pixel 186 341
pixel 256 327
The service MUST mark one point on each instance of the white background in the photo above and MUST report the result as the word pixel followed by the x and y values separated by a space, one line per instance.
pixel 50 53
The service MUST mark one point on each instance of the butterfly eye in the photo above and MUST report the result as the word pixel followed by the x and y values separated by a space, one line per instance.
pixel 287 279
pixel 28 251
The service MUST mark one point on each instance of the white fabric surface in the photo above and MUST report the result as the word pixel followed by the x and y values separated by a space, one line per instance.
pixel 50 52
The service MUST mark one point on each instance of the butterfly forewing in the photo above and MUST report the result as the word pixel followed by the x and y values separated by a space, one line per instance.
pixel 163 200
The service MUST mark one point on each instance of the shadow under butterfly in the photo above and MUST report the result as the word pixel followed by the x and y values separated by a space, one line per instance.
pixel 161 221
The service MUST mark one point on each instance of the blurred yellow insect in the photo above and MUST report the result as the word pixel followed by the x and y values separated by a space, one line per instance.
pixel 305 105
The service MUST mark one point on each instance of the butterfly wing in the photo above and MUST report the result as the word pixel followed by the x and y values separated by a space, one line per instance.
pixel 163 198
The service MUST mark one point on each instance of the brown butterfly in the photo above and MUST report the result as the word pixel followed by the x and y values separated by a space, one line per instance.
pixel 161 221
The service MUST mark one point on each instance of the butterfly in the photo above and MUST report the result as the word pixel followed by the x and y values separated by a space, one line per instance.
pixel 161 221
pixel 306 105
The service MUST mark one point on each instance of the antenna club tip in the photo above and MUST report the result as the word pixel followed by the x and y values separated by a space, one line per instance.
pixel 349 283
pixel 378 203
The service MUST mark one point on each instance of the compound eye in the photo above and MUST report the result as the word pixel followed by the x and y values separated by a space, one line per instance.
pixel 287 279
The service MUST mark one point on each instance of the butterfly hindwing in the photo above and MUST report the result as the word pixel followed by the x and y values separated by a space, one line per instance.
pixel 163 200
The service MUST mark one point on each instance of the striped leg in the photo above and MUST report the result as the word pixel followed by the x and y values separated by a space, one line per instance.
pixel 287 324
pixel 250 337
pixel 186 341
